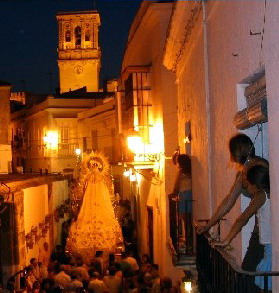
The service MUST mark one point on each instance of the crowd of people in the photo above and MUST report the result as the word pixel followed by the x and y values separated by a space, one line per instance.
pixel 112 274
pixel 123 273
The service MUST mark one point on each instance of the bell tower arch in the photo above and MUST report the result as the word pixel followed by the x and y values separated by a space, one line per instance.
pixel 79 54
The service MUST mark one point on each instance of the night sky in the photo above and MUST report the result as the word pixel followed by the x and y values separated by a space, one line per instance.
pixel 28 46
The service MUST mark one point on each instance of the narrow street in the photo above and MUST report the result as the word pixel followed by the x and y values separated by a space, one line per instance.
pixel 138 146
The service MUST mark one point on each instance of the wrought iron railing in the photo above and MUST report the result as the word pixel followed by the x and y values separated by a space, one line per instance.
pixel 181 226
pixel 218 273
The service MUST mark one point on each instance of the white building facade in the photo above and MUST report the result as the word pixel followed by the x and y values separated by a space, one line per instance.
pixel 216 51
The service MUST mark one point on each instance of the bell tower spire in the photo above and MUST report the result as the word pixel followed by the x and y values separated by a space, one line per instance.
pixel 79 54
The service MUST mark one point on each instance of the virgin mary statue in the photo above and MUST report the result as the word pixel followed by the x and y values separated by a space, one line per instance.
pixel 96 227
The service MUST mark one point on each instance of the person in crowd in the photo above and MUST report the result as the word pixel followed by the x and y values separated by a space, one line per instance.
pixel 65 231
pixel 97 263
pixel 75 283
pixel 43 270
pixel 99 257
pixel 59 255
pixel 81 269
pixel 35 268
pixel 112 282
pixel 242 153
pixel 36 287
pixel 124 265
pixel 155 279
pixel 147 276
pixel 145 260
pixel 142 283
pixel 129 281
pixel 258 176
pixel 44 254
pixel 132 261
pixel 96 285
pixel 182 192
pixel 48 285
pixel 62 279
pixel 166 285
pixel 29 278
pixel 111 260
pixel 118 271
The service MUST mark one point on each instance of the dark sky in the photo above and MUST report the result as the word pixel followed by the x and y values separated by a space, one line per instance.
pixel 28 39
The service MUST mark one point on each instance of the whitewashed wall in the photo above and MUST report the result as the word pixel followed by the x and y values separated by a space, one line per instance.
pixel 217 53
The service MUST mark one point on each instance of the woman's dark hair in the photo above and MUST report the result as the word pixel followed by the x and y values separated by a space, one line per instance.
pixel 184 163
pixel 241 147
pixel 259 176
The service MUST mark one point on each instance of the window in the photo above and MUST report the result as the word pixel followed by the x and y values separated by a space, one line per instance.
pixel 68 36
pixel 256 103
pixel 64 138
pixel 78 36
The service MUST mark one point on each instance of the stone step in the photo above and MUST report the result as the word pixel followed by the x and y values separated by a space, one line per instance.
pixel 186 262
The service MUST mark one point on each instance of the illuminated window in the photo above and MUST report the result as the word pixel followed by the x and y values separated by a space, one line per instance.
pixel 64 138
pixel 78 35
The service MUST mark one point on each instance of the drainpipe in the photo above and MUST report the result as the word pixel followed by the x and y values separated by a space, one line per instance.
pixel 207 104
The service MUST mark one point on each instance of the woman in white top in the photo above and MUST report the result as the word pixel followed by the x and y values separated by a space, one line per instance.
pixel 259 177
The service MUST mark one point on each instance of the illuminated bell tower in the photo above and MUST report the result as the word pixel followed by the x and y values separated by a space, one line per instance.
pixel 79 55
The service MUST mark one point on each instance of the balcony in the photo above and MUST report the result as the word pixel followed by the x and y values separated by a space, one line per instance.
pixel 216 268
pixel 182 234
pixel 218 272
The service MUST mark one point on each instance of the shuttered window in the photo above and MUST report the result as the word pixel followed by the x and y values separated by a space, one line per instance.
pixel 256 111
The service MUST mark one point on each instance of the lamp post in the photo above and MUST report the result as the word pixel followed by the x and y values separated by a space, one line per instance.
pixel 78 154
pixel 187 282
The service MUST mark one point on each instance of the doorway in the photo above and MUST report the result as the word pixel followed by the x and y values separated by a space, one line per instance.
pixel 150 232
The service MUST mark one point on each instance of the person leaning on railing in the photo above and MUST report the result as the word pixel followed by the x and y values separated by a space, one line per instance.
pixel 259 177
pixel 243 153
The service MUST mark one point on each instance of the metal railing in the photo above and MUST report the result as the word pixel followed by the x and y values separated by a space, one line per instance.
pixel 218 272
pixel 181 225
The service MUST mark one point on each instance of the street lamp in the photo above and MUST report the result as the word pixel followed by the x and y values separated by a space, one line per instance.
pixel 78 152
pixel 187 282
pixel 135 143
pixel 51 139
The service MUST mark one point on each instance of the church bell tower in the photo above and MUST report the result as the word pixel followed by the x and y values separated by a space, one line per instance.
pixel 79 54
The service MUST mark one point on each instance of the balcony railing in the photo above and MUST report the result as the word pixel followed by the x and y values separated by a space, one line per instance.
pixel 181 226
pixel 218 272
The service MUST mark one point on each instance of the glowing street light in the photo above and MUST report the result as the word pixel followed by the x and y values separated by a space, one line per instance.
pixel 51 139
pixel 78 152
pixel 135 143
pixel 126 173
pixel 187 281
